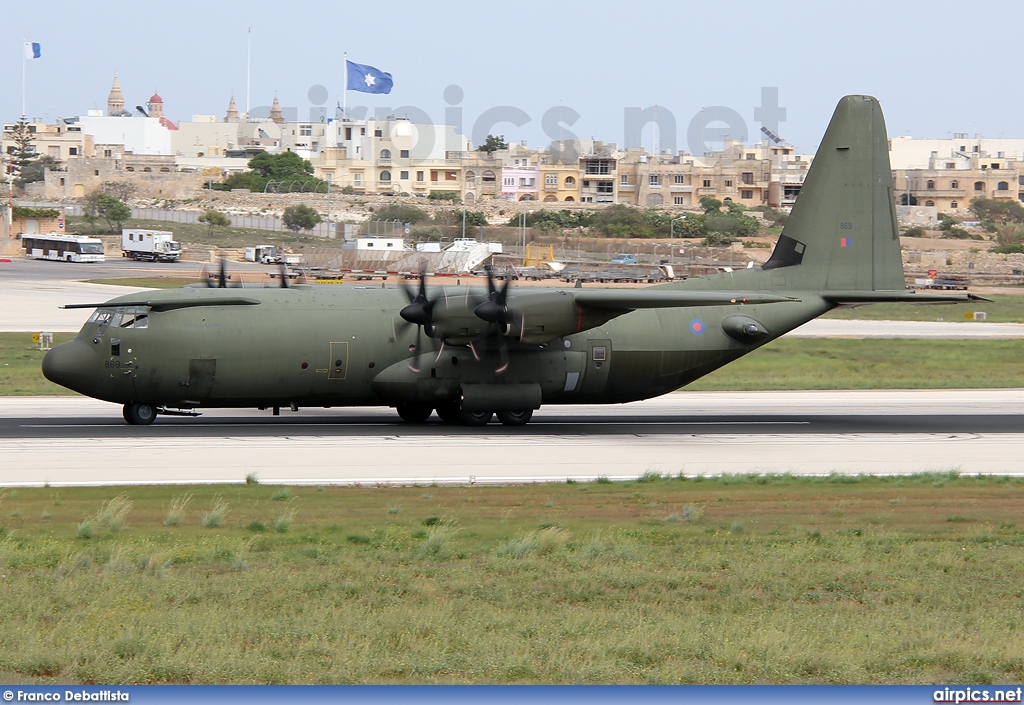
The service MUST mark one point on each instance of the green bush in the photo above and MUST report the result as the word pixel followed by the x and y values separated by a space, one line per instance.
pixel 300 217
pixel 444 196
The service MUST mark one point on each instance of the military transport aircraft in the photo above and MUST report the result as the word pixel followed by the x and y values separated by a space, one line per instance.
pixel 469 353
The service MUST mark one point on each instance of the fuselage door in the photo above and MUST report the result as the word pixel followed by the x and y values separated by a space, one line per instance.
pixel 338 369
pixel 201 374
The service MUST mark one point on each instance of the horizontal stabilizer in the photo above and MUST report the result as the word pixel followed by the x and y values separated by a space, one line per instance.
pixel 847 298
pixel 172 304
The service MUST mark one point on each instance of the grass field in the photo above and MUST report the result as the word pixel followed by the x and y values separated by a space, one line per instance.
pixel 827 363
pixel 661 580
pixel 148 282
pixel 20 372
pixel 798 363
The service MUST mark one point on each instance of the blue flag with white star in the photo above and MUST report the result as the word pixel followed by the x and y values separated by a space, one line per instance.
pixel 367 79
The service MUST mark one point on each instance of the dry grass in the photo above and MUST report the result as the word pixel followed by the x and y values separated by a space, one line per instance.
pixel 760 579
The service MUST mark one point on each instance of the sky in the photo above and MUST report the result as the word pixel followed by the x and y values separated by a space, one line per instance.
pixel 711 68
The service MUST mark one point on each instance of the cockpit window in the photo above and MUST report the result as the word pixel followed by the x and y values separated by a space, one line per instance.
pixel 121 317
pixel 101 316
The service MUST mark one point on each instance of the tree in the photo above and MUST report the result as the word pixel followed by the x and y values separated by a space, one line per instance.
pixel 493 144
pixel 36 169
pixel 402 213
pixel 300 217
pixel 102 205
pixel 1009 234
pixel 245 180
pixel 709 204
pixel 947 221
pixel 998 210
pixel 620 221
pixel 24 152
pixel 286 165
pixel 215 219
pixel 265 167
pixel 454 217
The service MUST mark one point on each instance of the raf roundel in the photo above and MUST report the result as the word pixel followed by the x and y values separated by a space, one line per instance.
pixel 697 326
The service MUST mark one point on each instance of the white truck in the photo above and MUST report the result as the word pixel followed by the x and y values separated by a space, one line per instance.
pixel 264 254
pixel 150 245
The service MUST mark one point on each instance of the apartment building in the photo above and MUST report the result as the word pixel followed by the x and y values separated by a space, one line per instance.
pixel 59 140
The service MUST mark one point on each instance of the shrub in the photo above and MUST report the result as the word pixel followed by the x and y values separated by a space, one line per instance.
pixel 176 511
pixel 85 530
pixel 215 517
pixel 114 513
pixel 444 196
pixel 300 217
pixel 283 524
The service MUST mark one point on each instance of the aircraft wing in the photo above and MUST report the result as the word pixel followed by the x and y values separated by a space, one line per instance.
pixel 171 304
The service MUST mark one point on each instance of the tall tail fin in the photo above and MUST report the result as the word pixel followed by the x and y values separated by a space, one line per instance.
pixel 841 235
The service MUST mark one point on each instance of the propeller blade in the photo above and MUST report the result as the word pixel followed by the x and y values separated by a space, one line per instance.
pixel 412 364
pixel 502 355
pixel 222 277
pixel 284 275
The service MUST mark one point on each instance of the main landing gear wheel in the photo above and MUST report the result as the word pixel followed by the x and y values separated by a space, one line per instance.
pixel 449 413
pixel 138 414
pixel 515 418
pixel 414 413
pixel 475 418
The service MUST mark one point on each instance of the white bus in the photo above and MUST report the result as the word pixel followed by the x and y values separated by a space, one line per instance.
pixel 64 248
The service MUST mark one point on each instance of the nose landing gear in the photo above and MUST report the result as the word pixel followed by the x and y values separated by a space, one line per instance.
pixel 139 414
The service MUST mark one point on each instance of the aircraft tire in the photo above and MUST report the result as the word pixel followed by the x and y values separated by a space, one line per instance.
pixel 139 414
pixel 475 418
pixel 414 413
pixel 515 418
pixel 449 413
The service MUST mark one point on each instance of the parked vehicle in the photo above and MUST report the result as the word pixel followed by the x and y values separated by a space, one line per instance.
pixel 63 248
pixel 150 245
pixel 264 254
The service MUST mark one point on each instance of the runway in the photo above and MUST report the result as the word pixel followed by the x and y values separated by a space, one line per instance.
pixel 76 441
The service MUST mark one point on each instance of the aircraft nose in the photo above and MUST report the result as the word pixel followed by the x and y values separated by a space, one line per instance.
pixel 70 365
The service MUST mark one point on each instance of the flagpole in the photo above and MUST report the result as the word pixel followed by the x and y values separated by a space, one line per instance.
pixel 344 93
pixel 24 60
pixel 248 71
